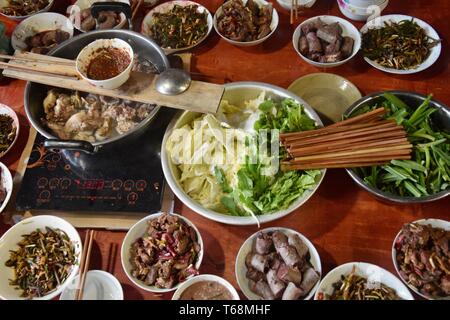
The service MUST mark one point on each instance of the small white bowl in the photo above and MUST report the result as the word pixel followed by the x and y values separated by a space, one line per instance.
pixel 241 268
pixel 205 277
pixel 5 3
pixel 89 52
pixel 138 230
pixel 287 4
pixel 99 285
pixel 362 10
pixel 6 181
pixel 79 5
pixel 369 271
pixel 348 30
pixel 432 57
pixel 4 109
pixel 166 7
pixel 273 26
pixel 436 223
pixel 38 23
pixel 14 235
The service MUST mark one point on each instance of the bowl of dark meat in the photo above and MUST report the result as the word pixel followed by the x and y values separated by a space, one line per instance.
pixel 246 23
pixel 42 32
pixel 22 9
pixel 326 41
pixel 161 251
pixel 106 63
pixel 421 256
pixel 361 281
pixel 278 263
pixel 81 12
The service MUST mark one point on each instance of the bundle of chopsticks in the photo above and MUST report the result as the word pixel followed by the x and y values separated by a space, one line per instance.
pixel 294 10
pixel 361 141
pixel 84 264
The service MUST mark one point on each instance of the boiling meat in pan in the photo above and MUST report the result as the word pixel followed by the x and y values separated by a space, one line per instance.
pixel 91 118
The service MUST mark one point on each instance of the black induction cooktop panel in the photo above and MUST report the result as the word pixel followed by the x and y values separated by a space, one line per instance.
pixel 126 177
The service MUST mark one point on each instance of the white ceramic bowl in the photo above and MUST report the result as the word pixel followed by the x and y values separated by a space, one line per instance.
pixel 79 5
pixel 138 230
pixel 369 271
pixel 5 3
pixel 348 29
pixel 89 52
pixel 13 236
pixel 287 4
pixel 273 26
pixel 362 10
pixel 6 181
pixel 166 7
pixel 241 268
pixel 434 52
pixel 99 285
pixel 4 109
pixel 436 223
pixel 205 277
pixel 38 23
pixel 236 93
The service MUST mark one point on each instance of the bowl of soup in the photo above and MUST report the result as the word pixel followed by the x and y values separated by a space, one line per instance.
pixel 206 287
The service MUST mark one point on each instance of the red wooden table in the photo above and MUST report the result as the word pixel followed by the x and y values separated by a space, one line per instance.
pixel 344 222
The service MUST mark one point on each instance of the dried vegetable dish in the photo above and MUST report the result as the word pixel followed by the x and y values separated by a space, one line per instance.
pixel 20 8
pixel 166 255
pixel 400 45
pixel 244 23
pixel 429 170
pixel 324 42
pixel 180 27
pixel 355 287
pixel 43 261
pixel 8 132
pixel 278 267
pixel 423 259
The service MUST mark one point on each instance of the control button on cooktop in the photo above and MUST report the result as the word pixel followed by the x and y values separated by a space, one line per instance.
pixel 53 183
pixel 65 183
pixel 128 185
pixel 116 184
pixel 141 185
pixel 132 198
pixel 44 196
pixel 42 183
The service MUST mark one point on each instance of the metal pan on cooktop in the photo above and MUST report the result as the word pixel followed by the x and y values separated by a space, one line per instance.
pixel 146 49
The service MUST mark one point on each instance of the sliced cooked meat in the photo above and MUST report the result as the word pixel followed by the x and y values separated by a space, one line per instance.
pixel 347 47
pixel 292 292
pixel 310 278
pixel 262 289
pixel 303 45
pixel 259 262
pixel 295 241
pixel 314 44
pixel 263 243
pixel 288 274
pixel 276 285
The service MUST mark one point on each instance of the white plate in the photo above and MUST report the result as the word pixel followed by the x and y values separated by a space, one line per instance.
pixel 434 53
pixel 139 230
pixel 13 236
pixel 6 182
pixel 241 268
pixel 369 271
pixel 4 109
pixel 273 26
pixel 39 23
pixel 205 277
pixel 99 285
pixel 166 7
pixel 5 3
pixel 436 223
pixel 348 30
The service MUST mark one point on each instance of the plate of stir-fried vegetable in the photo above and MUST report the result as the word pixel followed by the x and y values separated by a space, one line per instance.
pixel 9 129
pixel 22 9
pixel 361 281
pixel 400 44
pixel 178 25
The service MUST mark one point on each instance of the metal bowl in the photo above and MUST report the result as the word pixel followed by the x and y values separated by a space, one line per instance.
pixel 236 93
pixel 35 94
pixel 441 120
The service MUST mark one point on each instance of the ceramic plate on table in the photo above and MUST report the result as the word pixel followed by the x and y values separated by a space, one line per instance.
pixel 329 94
pixel 434 51
pixel 6 184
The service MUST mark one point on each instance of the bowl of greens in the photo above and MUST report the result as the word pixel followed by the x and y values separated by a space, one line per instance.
pixel 424 178
pixel 226 166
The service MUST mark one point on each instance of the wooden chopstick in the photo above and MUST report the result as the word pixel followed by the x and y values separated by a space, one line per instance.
pixel 4 65
pixel 137 5
pixel 39 58
pixel 362 118
pixel 84 264
pixel 296 9
pixel 292 11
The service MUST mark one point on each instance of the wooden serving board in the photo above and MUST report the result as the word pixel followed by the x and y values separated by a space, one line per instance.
pixel 201 96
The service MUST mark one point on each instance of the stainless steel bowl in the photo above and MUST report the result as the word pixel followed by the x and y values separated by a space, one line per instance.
pixel 441 120
pixel 236 94
pixel 35 93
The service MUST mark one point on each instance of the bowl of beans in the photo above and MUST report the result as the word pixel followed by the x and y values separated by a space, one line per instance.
pixel 106 63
